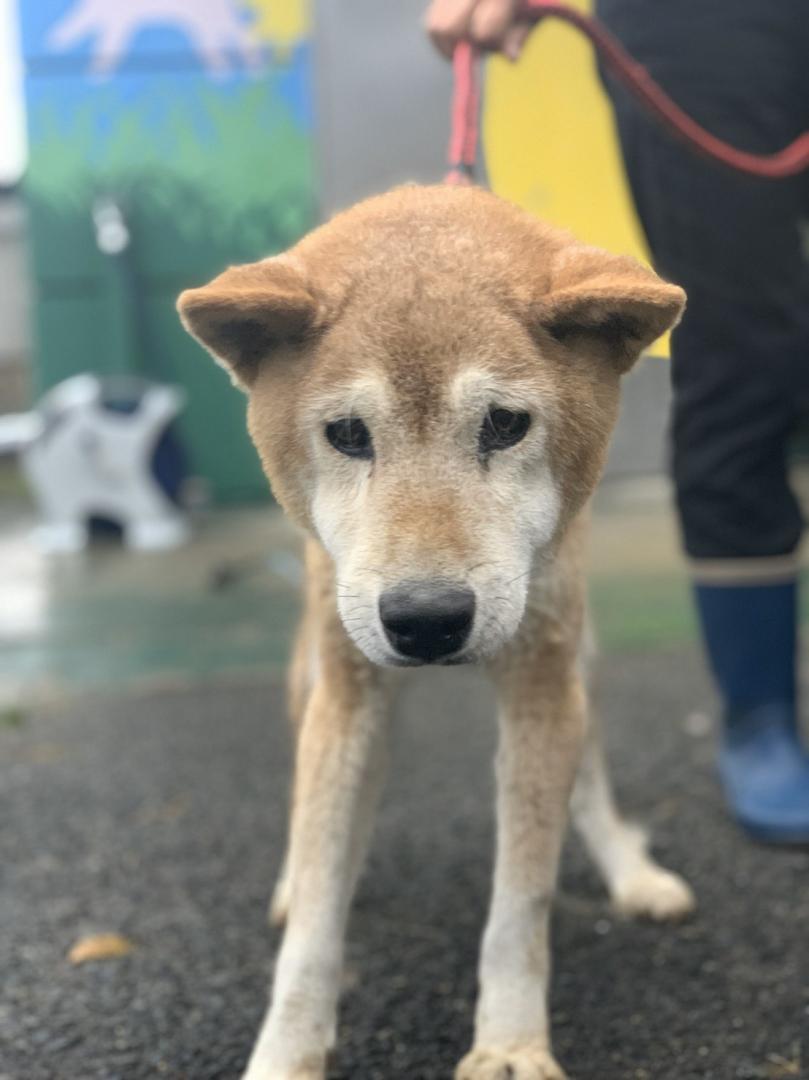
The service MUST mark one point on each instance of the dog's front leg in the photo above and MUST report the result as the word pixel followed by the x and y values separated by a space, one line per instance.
pixel 338 772
pixel 541 733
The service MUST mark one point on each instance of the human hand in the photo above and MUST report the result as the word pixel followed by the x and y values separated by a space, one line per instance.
pixel 491 24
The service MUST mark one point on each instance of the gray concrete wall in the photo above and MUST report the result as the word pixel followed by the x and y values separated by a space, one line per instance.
pixel 639 442
pixel 15 343
pixel 382 98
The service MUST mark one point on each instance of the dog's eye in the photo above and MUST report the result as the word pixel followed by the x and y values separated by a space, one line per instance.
pixel 502 428
pixel 350 436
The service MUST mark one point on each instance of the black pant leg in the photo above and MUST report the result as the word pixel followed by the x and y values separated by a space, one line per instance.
pixel 741 356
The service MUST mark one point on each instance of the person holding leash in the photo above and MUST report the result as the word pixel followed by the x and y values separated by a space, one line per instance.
pixel 740 357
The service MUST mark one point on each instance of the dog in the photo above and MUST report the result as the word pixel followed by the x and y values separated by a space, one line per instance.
pixel 432 380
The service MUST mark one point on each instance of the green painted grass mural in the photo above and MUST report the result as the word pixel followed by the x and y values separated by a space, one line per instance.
pixel 234 173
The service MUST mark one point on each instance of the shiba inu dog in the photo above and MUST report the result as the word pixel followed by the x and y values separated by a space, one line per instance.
pixel 433 377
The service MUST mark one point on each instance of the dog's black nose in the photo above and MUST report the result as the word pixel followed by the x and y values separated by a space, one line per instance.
pixel 427 621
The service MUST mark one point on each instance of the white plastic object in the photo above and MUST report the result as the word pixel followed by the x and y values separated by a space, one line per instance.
pixel 84 460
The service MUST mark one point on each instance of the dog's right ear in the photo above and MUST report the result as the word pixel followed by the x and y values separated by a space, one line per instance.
pixel 246 312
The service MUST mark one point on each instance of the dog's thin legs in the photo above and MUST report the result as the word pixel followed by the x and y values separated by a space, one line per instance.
pixel 340 761
pixel 541 730
pixel 302 676
pixel 636 883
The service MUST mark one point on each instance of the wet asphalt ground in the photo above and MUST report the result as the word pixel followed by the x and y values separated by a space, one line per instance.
pixel 160 815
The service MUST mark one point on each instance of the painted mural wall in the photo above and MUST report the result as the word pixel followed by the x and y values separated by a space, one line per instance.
pixel 192 119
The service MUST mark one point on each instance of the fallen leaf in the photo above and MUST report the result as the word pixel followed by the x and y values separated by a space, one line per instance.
pixel 99 947
pixel 45 753
pixel 782 1067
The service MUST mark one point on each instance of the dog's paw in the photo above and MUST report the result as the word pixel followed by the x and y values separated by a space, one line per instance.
pixel 314 1070
pixel 654 893
pixel 520 1063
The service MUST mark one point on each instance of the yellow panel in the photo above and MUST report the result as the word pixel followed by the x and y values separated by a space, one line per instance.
pixel 550 140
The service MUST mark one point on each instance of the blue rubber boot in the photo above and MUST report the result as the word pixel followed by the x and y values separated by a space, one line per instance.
pixel 750 635
pixel 765 774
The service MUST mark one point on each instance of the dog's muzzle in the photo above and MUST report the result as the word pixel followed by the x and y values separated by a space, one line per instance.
pixel 427 621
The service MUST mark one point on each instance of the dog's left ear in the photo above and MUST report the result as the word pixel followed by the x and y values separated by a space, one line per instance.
pixel 609 301
pixel 246 312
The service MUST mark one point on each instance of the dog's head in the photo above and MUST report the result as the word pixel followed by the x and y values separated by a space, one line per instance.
pixel 432 379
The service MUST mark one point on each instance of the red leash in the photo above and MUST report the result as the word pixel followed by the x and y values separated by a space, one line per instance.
pixel 466 96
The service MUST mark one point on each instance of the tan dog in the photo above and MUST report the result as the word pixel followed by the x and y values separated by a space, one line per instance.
pixel 433 377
